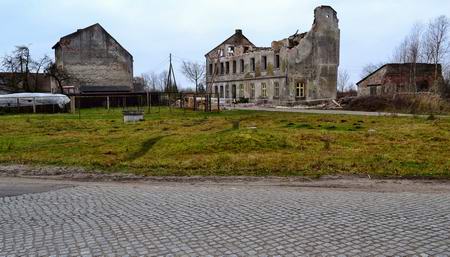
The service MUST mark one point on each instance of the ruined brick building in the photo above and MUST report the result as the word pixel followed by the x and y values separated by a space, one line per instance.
pixel 95 61
pixel 395 78
pixel 300 68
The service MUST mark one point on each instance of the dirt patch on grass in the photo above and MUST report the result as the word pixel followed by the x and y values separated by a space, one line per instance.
pixel 74 176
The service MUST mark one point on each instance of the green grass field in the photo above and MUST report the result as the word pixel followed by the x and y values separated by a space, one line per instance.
pixel 184 143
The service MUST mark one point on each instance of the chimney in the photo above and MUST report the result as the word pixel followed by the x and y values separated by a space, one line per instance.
pixel 238 31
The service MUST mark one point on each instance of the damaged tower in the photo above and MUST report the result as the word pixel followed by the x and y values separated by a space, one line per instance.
pixel 300 68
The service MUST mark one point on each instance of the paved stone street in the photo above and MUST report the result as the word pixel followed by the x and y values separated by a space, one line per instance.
pixel 199 220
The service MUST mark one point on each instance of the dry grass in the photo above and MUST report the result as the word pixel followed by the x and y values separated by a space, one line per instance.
pixel 266 143
pixel 414 104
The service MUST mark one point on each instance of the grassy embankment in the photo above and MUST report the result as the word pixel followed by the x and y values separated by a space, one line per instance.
pixel 188 143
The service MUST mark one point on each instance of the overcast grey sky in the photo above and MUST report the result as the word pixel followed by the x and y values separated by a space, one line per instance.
pixel 152 29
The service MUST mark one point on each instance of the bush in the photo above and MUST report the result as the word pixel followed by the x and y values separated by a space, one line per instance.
pixel 368 103
pixel 243 100
pixel 414 104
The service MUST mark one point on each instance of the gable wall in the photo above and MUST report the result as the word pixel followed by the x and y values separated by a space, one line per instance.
pixel 95 59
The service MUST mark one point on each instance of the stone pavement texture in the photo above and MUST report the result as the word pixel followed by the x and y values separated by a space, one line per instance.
pixel 187 220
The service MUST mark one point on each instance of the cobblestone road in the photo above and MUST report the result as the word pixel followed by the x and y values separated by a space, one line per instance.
pixel 184 220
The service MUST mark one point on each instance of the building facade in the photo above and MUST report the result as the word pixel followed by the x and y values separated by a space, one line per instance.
pixel 294 70
pixel 95 61
pixel 16 82
pixel 396 78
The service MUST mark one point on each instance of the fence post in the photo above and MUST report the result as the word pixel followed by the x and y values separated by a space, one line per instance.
pixel 107 103
pixel 34 104
pixel 72 104
pixel 181 100
pixel 195 102
pixel 148 102
pixel 218 103
pixel 206 102
pixel 168 103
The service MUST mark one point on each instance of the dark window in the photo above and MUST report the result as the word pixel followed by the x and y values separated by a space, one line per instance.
pixel 246 49
pixel 373 90
pixel 227 64
pixel 234 66
pixel 277 61
pixel 221 92
pixel 233 91
pixel 252 62
pixel 210 69
pixel 264 62
pixel 423 86
pixel 222 68
pixel 242 66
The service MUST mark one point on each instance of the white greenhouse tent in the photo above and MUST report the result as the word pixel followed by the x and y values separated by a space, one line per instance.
pixel 33 99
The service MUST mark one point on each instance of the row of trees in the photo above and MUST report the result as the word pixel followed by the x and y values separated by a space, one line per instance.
pixel 344 85
pixel 425 43
pixel 193 71
pixel 24 69
pixel 21 66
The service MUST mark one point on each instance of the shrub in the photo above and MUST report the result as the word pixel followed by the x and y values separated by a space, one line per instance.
pixel 408 103
pixel 243 100
pixel 368 103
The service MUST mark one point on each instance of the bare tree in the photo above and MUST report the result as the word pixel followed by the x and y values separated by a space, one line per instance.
pixel 343 79
pixel 162 80
pixel 415 46
pixel 411 51
pixel 9 64
pixel 156 81
pixel 23 58
pixel 351 87
pixel 194 72
pixel 37 66
pixel 437 41
pixel 145 79
pixel 18 64
pixel 401 52
pixel 60 75
pixel 369 68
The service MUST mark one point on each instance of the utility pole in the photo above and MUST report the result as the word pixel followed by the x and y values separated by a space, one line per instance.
pixel 171 86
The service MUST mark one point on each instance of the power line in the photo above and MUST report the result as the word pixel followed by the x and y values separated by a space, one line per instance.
pixel 184 59
pixel 165 61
